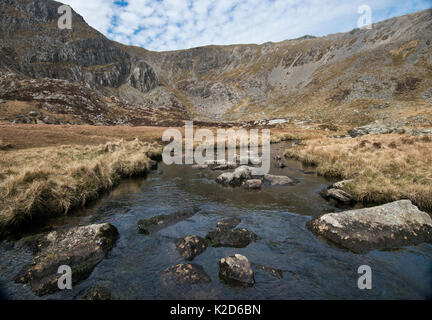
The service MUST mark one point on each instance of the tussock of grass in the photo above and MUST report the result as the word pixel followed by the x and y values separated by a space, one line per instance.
pixel 384 167
pixel 43 182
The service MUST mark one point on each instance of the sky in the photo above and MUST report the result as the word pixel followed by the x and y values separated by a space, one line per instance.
pixel 162 25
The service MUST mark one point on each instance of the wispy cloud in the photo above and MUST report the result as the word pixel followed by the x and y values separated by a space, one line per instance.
pixel 178 24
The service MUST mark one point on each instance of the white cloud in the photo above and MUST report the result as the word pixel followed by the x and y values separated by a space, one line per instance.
pixel 179 24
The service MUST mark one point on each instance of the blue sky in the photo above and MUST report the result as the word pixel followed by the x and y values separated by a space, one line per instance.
pixel 179 24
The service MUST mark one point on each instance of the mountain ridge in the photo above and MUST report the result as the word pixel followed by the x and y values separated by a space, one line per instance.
pixel 349 78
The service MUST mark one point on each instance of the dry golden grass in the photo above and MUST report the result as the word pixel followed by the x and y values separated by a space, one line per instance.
pixel 293 133
pixel 384 167
pixel 22 136
pixel 42 182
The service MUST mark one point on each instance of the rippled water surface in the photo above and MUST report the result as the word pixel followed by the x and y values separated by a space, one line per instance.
pixel 312 268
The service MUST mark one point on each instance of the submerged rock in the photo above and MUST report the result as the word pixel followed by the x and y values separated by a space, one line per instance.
pixel 338 195
pixel 191 246
pixel 235 178
pixel 279 180
pixel 98 293
pixel 236 270
pixel 236 238
pixel 81 248
pixel 227 224
pixel 395 224
pixel 252 184
pixel 184 274
pixel 277 273
pixel 153 225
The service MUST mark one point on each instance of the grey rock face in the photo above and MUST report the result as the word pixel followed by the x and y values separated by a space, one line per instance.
pixel 81 248
pixel 191 246
pixel 395 224
pixel 235 178
pixel 79 55
pixel 236 270
pixel 184 274
pixel 377 127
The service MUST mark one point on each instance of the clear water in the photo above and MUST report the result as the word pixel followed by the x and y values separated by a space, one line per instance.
pixel 313 269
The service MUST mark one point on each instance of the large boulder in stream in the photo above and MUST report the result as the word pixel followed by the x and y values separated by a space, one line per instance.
pixel 184 274
pixel 80 248
pixel 191 246
pixel 153 225
pixel 236 270
pixel 395 224
pixel 235 178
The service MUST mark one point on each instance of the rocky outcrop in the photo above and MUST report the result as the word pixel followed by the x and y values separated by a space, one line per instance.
pixel 191 246
pixel 391 225
pixel 236 270
pixel 80 248
pixel 54 101
pixel 377 127
pixel 184 274
pixel 79 55
pixel 153 225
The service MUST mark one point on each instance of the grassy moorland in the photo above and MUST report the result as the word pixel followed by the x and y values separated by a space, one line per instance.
pixel 384 168
pixel 45 181
pixel 47 170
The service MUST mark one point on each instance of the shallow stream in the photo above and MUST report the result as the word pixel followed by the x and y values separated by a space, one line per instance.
pixel 312 268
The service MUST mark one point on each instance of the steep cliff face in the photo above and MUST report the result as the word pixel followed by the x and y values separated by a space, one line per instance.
pixel 33 45
pixel 348 78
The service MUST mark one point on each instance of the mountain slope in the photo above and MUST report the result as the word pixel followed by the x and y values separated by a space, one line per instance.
pixel 357 74
pixel 348 78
